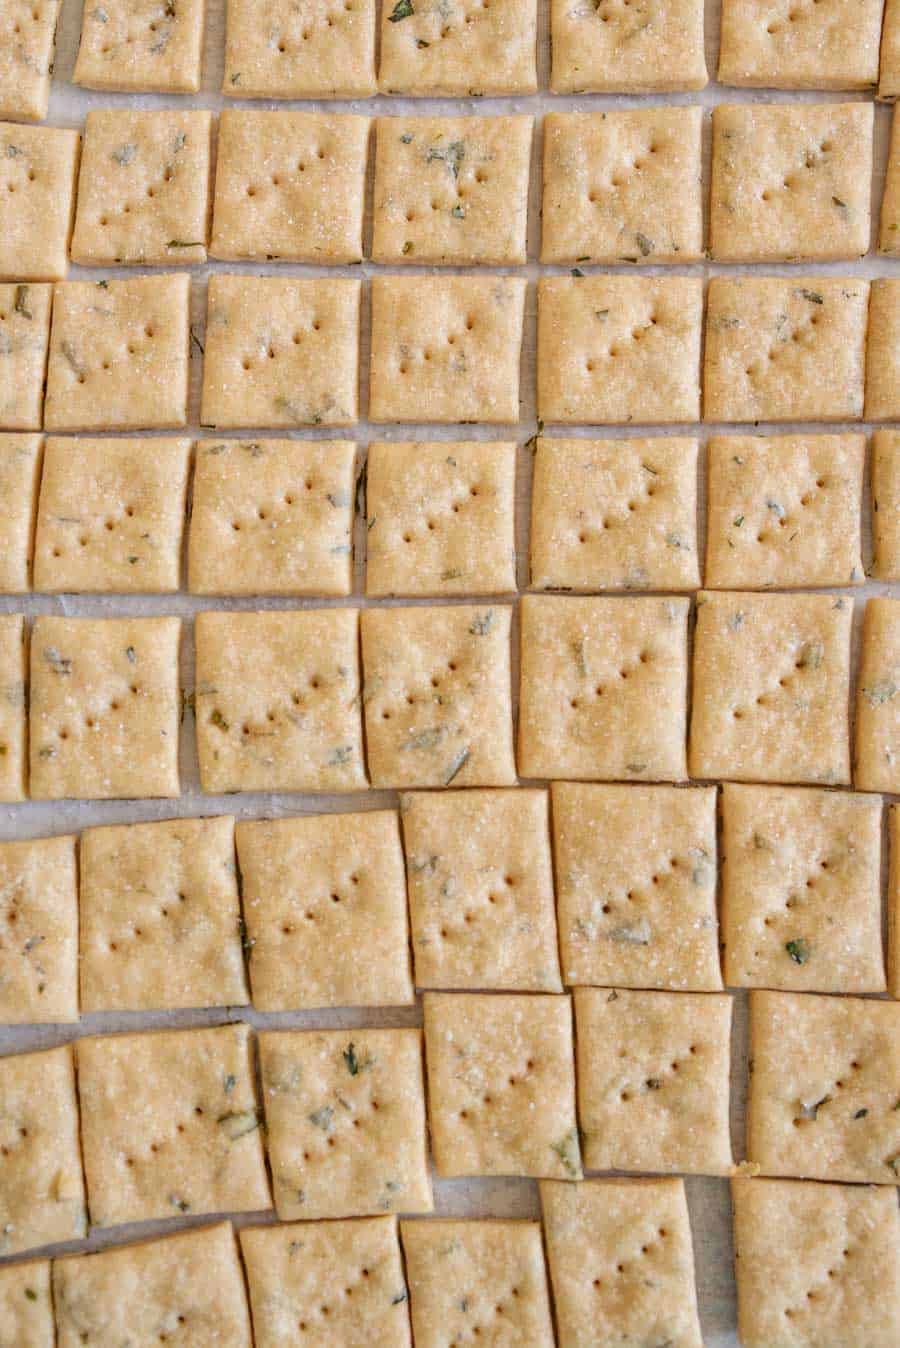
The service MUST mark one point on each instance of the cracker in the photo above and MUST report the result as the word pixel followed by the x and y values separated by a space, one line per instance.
pixel 784 349
pixel 893 903
pixel 886 504
pixel 277 701
pixel 883 351
pixel 345 1114
pixel 889 75
pixel 437 696
pixel 501 1085
pixel 801 890
pixel 42 1197
pixel 20 470
pixel 454 49
pixel 136 45
pixel 26 1305
pixel 441 518
pixel 619 349
pixel 621 1262
pixel 889 230
pixel 603 688
pixel 452 190
pixel 480 879
pixel 308 49
pixel 290 185
pixel 39 946
pixel 653 1080
pixel 784 511
pixel 877 743
pixel 636 885
pixel 610 48
pixel 160 917
pixel 771 688
pixel 446 348
pixel 24 336
pixel 111 515
pixel 36 209
pixel 27 44
pixel 614 515
pixel 622 186
pixel 104 708
pixel 337 1282
pixel 13 681
pixel 272 517
pixel 771 45
pixel 325 909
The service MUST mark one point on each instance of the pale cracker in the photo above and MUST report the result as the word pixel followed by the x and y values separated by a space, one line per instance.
pixel 38 931
pixel 20 471
pixel 458 48
pixel 136 45
pixel 893 903
pixel 889 73
pixel 24 337
pixel 607 47
pixel 345 1118
pixel 26 1305
pixel 636 885
pixel 877 744
pixel 13 684
pixel 308 49
pixel 886 504
pixel 889 229
pixel 27 45
pixel 480 878
pixel 883 351
pixel 800 44
pixel 38 203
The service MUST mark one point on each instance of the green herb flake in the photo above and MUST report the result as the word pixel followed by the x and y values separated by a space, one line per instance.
pixel 568 1152
pixel 799 950
pixel 180 1203
pixel 229 1083
pixel 322 1118
pixel 236 1124
pixel 645 244
pixel 811 655
pixel 355 1064
pixel 236 77
pixel 21 302
pixel 217 719
pixel 738 521
pixel 457 765
pixel 406 139
pixel 577 272
pixel 402 10
pixel 60 664
pixel 876 694
pixel 185 243
pixel 860 1114
pixel 459 211
pixel 481 624
pixel 124 154
pixel 408 247
pixel 399 1299
pixel 812 296
pixel 31 1294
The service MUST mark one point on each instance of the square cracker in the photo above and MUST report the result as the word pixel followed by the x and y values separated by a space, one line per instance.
pixel 893 903
pixel 501 1085
pixel 832 1113
pixel 611 48
pixel 619 349
pixel 277 701
pixel 653 1080
pixel 441 518
pixel 790 181
pixel 454 49
pixel 26 1305
pixel 446 348
pixel 480 878
pixel 39 922
pixel 37 207
pixel 324 902
pixel 801 889
pixel 621 1262
pixel 20 471
pixel 281 352
pixel 170 1124
pixel 305 49
pixel 290 185
pixel 785 349
pixel 42 1197
pixel 345 1114
pixel 111 515
pixel 784 510
pixel 877 743
pixel 774 44
pixel 437 696
pixel 24 337
pixel 636 885
pixel 452 189
pixel 13 684
pixel 337 1282
pixel 889 72
pixel 27 44
pixel 771 688
pixel 883 351
pixel 272 517
pixel 889 230
pixel 886 504
pixel 622 186
pixel 815 1264
pixel 160 917
pixel 603 688
pixel 595 524
pixel 136 45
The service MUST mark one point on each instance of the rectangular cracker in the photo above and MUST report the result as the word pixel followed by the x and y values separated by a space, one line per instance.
pixel 889 225
pixel 593 526
pixel 889 72
pixel 893 903
pixel 345 1119
pixel 609 48
pixel 636 885
pixel 27 46
pixel 619 349
pixel 831 1114
pixel 13 685
pixel 768 45
pixel 784 511
pixel 37 208
pixel 886 504
pixel 39 916
pixel 440 518
pixel 603 688
pixel 877 743
pixel 653 1080
pixel 801 889
pixel 26 1305
pixel 451 51
pixel 20 471
pixel 883 351
pixel 24 337
pixel 305 49
pixel 277 701
pixel 451 190
pixel 141 45
pixel 446 348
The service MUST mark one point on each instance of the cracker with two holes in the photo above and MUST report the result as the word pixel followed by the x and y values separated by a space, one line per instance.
pixel 20 470
pixel 278 701
pixel 889 225
pixel 39 924
pixel 772 44
pixel 877 744
pixel 883 351
pixel 38 205
pixel 304 49
pixel 889 73
pixel 441 518
pixel 24 337
pixel 13 683
pixel 893 903
pixel 458 48
pixel 141 45
pixel 886 504
pixel 648 47
pixel 437 696
pixel 26 1305
pixel 480 879
pixel 614 515
pixel 345 1118
pixel 324 901
pixel 27 45
pixel 619 349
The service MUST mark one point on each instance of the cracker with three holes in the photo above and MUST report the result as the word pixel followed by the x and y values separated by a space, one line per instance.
pixel 458 48
pixel 20 470
pixel 889 75
pixel 304 49
pixel 877 744
pixel 13 683
pixel 883 351
pixel 38 205
pixel 893 903
pixel 27 45
pixel 771 44
pixel 608 47
pixel 137 45
pixel 889 225
pixel 24 337
pixel 39 922
pixel 26 1305
pixel 886 504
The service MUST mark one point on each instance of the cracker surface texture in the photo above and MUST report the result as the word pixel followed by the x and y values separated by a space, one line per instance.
pixel 24 338
pixel 27 45
pixel 39 907
pixel 141 45
pixel 889 233
pixel 26 1305
pixel 834 46
pixel 442 48
pixel 877 746
pixel 37 207
pixel 13 686
pixel 20 471
pixel 305 50
pixel 655 46
pixel 883 351
pixel 886 504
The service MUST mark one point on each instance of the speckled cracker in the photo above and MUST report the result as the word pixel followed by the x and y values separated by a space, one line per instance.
pixel 27 43
pixel 889 230
pixel 446 348
pixel 883 351
pixel 777 44
pixel 38 931
pixel 452 189
pixel 160 917
pixel 784 349
pixel 877 743
pixel 20 470
pixel 886 504
pixel 771 688
pixel 26 1305
pixel 437 696
pixel 893 903
pixel 480 879
pixel 603 688
pixel 13 679
pixel 614 515
pixel 619 349
pixel 653 1080
pixel 24 336
pixel 889 75
pixel 277 701
pixel 37 206
pixel 136 45
pixel 634 48
pixel 324 903
pixel 272 517
pixel 345 1114
pixel 305 49
pixel 441 518
pixel 784 510
pixel 458 48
